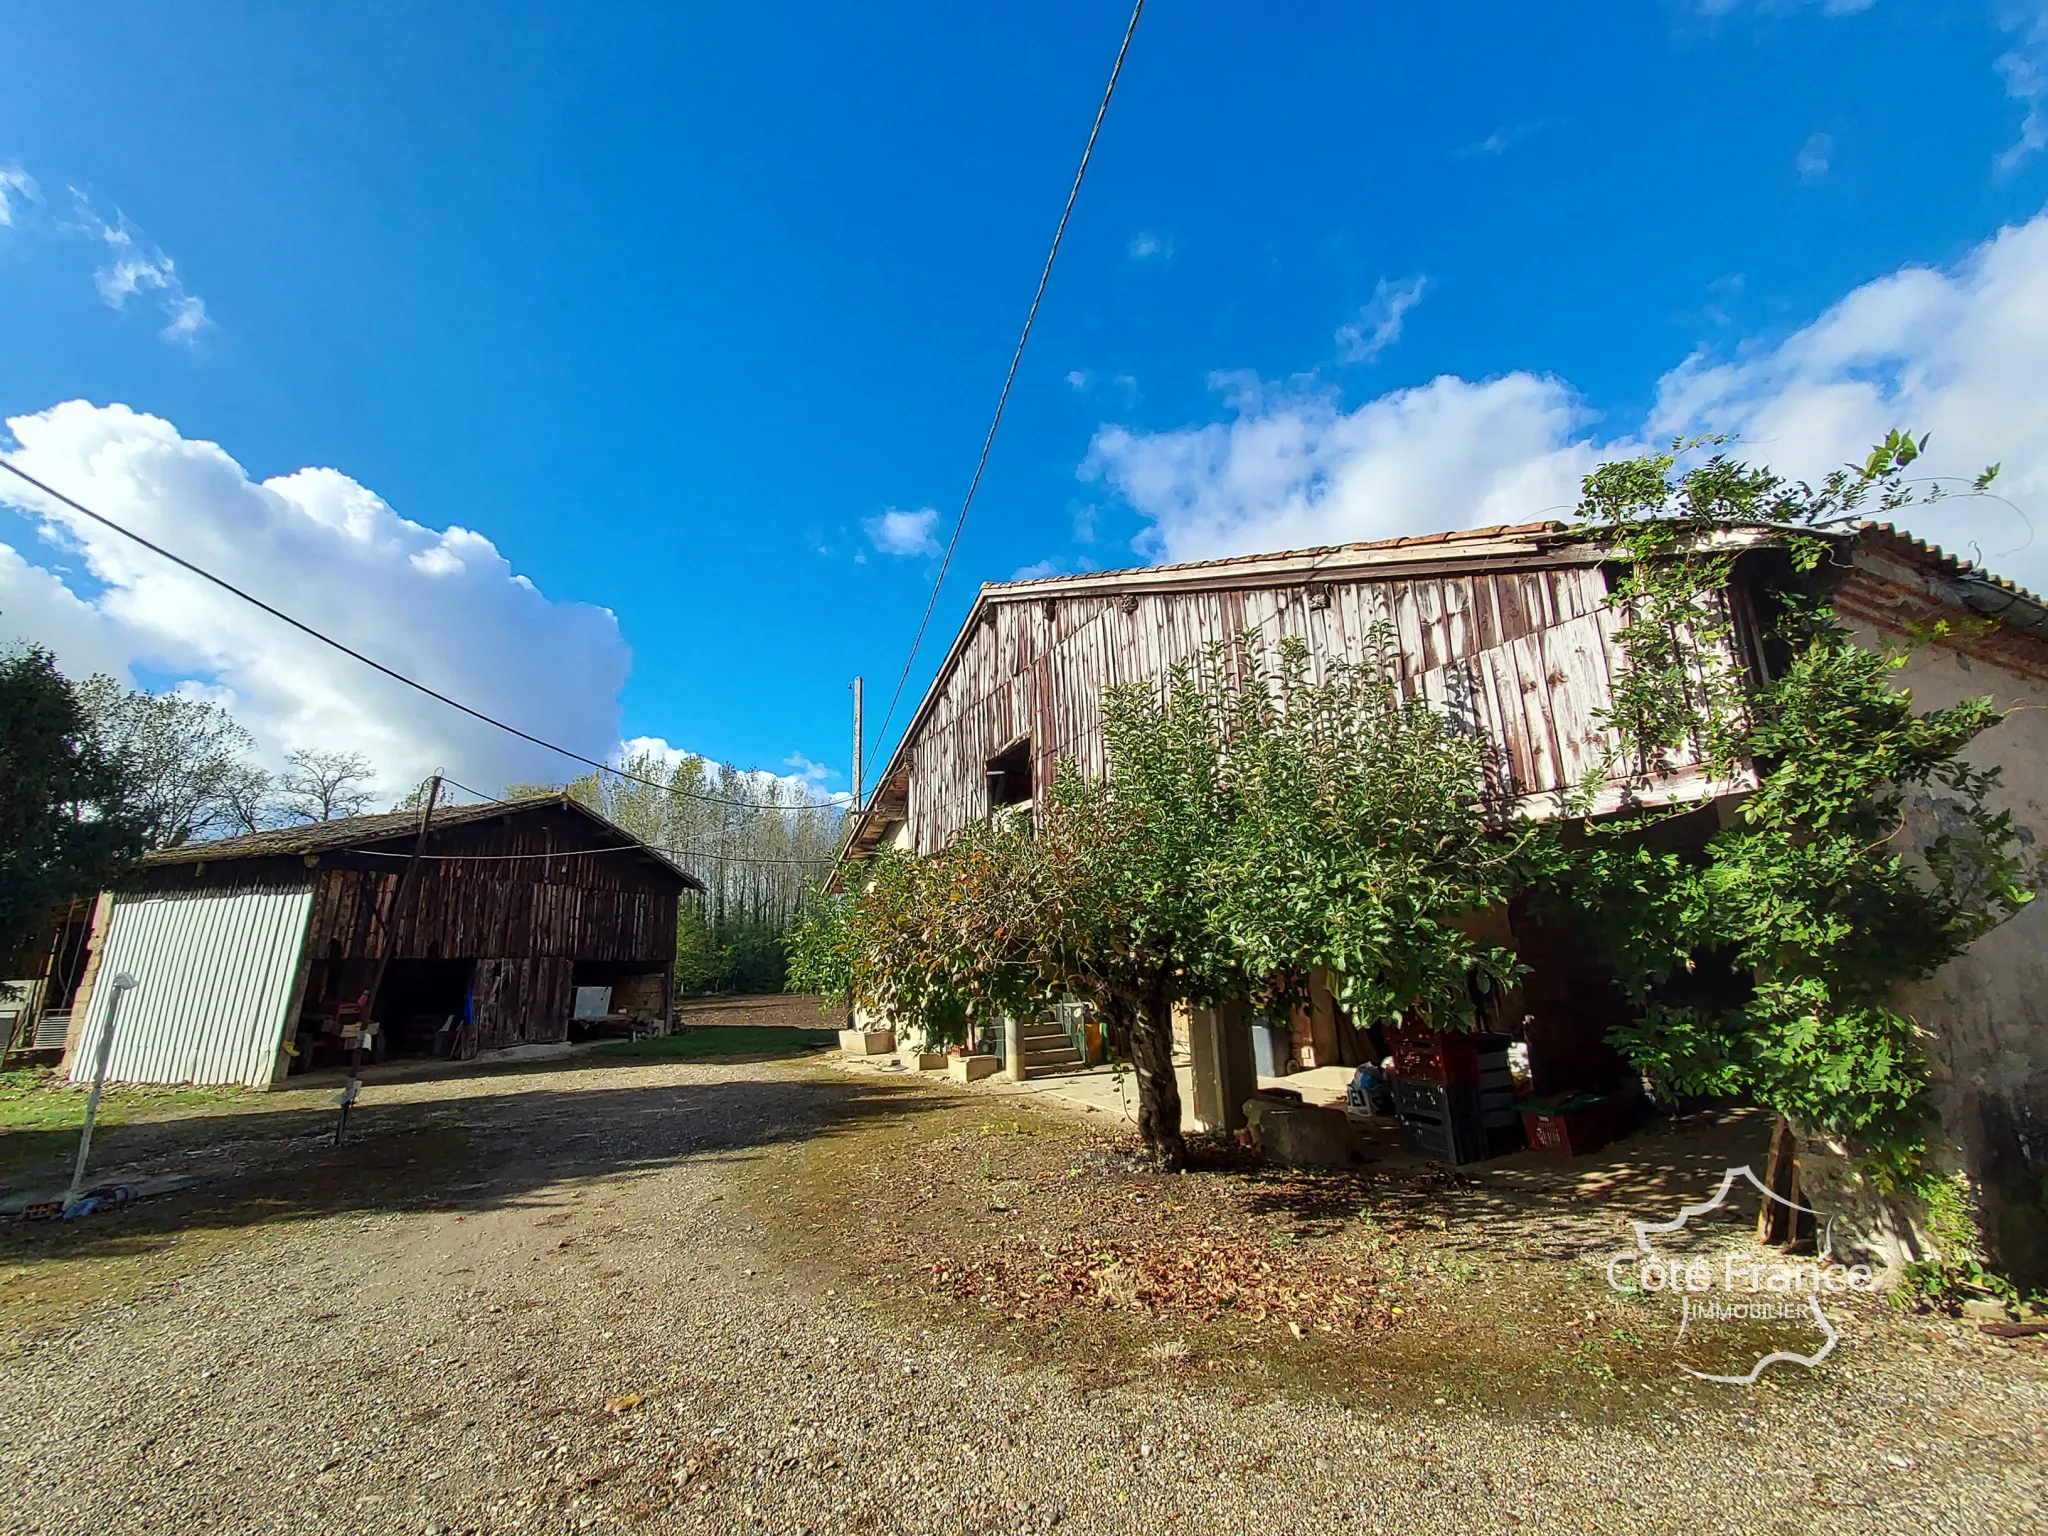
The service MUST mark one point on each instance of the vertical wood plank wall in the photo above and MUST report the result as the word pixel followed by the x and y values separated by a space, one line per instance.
pixel 1522 657
pixel 527 921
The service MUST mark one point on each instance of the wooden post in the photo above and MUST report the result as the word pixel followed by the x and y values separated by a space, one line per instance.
pixel 856 745
pixel 353 1087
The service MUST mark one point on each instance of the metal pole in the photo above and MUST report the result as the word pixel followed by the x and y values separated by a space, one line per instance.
pixel 856 744
pixel 122 984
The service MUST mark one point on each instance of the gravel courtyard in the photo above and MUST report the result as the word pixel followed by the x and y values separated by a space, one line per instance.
pixel 762 1293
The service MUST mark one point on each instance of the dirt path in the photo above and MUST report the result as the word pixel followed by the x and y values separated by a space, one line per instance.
pixel 768 1295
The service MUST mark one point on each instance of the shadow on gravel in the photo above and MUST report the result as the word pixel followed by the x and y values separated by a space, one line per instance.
pixel 475 1151
pixel 1655 1170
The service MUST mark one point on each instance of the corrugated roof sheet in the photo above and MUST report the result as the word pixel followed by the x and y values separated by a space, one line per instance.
pixel 1447 542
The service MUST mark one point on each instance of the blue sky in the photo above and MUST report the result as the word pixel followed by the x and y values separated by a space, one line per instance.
pixel 669 310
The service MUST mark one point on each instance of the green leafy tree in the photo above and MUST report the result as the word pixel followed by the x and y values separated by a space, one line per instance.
pixel 1248 830
pixel 70 824
pixel 818 948
pixel 186 760
pixel 1364 838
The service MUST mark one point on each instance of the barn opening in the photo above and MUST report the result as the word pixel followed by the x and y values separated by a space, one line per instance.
pixel 1009 776
pixel 423 1003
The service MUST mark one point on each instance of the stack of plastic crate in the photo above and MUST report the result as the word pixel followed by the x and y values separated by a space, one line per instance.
pixel 1454 1094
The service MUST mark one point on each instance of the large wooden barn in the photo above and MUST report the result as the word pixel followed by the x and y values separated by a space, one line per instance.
pixel 251 950
pixel 1509 631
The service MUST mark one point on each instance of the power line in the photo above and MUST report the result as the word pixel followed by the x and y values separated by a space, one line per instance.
pixel 663 848
pixel 1003 399
pixel 378 666
pixel 819 862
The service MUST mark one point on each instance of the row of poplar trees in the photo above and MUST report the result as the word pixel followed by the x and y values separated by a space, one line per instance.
pixel 755 840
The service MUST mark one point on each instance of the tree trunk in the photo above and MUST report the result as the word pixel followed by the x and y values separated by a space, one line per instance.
pixel 1158 1089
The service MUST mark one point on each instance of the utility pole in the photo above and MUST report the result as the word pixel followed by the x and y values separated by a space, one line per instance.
pixel 366 1023
pixel 856 745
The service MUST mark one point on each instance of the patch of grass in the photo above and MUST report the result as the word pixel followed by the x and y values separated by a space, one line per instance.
pixel 703 1041
pixel 37 1099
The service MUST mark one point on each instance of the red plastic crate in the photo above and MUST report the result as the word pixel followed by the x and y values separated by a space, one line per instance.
pixel 1450 1059
pixel 1449 1056
pixel 1570 1132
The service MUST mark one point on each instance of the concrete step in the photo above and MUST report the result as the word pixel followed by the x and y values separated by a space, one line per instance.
pixel 1050 1057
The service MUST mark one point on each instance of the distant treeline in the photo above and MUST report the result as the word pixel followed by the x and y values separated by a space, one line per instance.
pixel 94 774
pixel 756 841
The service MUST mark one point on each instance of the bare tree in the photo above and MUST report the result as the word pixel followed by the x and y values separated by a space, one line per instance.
pixel 246 801
pixel 319 786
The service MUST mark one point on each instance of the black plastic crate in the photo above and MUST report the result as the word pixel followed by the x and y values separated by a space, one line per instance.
pixel 1444 1121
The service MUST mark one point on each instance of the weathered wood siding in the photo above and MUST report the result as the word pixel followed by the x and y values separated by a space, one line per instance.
pixel 1523 657
pixel 527 920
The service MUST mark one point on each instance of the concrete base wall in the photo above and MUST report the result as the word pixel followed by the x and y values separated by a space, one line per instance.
pixel 1985 1015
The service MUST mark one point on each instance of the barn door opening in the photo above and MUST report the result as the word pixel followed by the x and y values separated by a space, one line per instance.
pixel 421 1004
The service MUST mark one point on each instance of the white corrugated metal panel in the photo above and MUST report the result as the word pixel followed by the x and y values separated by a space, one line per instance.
pixel 216 977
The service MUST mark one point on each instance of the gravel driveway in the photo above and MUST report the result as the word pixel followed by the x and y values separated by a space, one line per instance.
pixel 587 1295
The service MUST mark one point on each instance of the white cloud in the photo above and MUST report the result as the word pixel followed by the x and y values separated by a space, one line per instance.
pixel 1812 160
pixel 1294 470
pixel 1378 325
pixel 127 265
pixel 1038 569
pixel 1148 246
pixel 1827 7
pixel 1079 378
pixel 802 785
pixel 16 186
pixel 135 267
pixel 1502 139
pixel 1960 353
pixel 2024 68
pixel 440 605
pixel 897 532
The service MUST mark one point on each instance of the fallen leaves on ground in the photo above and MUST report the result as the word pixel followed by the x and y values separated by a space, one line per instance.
pixel 1191 1276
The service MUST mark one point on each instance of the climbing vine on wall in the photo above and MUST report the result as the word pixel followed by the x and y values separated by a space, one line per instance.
pixel 1810 909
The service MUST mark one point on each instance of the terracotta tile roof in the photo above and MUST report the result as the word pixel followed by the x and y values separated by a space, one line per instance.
pixel 1941 562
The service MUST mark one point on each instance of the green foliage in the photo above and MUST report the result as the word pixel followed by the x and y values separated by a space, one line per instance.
pixel 70 824
pixel 938 945
pixel 1361 838
pixel 1945 1284
pixel 817 945
pixel 1250 828
pixel 38 1099
pixel 186 758
pixel 731 953
pixel 1809 904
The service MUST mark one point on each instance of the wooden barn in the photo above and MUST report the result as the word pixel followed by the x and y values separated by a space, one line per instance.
pixel 1506 629
pixel 251 951
pixel 1509 631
